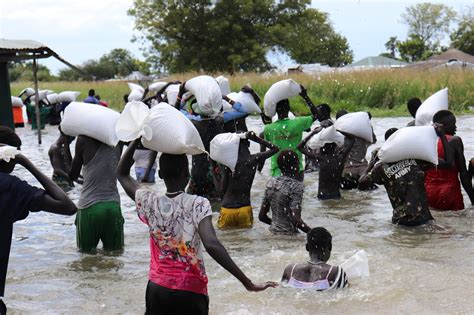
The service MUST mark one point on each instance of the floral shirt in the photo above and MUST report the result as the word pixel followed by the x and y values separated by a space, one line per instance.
pixel 175 246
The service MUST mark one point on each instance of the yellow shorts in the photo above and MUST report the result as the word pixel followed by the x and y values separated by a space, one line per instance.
pixel 235 218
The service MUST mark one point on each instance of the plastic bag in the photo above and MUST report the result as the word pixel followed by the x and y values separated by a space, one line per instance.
pixel 223 84
pixel 208 94
pixel 432 105
pixel 279 91
pixel 326 135
pixel 224 149
pixel 419 142
pixel 90 120
pixel 247 101
pixel 357 266
pixel 163 129
pixel 357 124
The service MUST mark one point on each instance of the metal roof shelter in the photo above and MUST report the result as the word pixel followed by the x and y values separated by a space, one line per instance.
pixel 377 62
pixel 20 50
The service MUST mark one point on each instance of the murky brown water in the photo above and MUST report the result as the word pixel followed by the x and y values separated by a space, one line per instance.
pixel 413 270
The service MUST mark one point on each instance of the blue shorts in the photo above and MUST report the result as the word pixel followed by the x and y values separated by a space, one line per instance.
pixel 140 173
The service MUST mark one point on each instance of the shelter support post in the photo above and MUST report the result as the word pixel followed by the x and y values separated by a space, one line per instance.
pixel 37 107
pixel 6 113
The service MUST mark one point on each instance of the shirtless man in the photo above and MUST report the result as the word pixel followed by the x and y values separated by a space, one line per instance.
pixel 61 159
pixel 412 105
pixel 405 185
pixel 99 216
pixel 331 160
pixel 236 211
pixel 442 183
pixel 316 273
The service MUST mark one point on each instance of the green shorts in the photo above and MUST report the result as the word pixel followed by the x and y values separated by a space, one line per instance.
pixel 101 221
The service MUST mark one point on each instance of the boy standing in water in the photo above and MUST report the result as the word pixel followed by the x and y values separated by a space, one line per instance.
pixel 405 184
pixel 283 196
pixel 18 198
pixel 442 183
pixel 177 223
pixel 316 273
pixel 99 216
pixel 331 164
pixel 236 210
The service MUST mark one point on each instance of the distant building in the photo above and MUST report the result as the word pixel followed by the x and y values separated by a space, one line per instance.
pixel 377 62
pixel 137 76
pixel 310 68
pixel 450 59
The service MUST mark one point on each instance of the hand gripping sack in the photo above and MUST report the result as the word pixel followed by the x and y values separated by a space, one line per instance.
pixel 208 94
pixel 223 84
pixel 419 142
pixel 98 122
pixel 247 101
pixel 432 105
pixel 326 135
pixel 163 129
pixel 17 102
pixel 357 124
pixel 68 96
pixel 279 91
pixel 357 266
pixel 224 149
pixel 155 87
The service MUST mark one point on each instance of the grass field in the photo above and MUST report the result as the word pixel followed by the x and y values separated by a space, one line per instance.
pixel 383 92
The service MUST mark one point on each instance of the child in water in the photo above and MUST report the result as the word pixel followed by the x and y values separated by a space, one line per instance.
pixel 316 273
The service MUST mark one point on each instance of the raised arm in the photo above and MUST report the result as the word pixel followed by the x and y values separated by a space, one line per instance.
pixel 365 179
pixel 302 145
pixel 56 200
pixel 182 90
pixel 129 184
pixel 312 108
pixel 272 149
pixel 78 159
pixel 217 251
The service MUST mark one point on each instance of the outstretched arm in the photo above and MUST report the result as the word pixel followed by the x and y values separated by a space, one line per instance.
pixel 56 200
pixel 217 251
pixel 129 184
pixel 312 108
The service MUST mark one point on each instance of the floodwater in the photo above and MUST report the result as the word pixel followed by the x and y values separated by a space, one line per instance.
pixel 421 270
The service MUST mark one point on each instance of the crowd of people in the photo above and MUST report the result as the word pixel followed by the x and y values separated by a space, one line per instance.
pixel 180 221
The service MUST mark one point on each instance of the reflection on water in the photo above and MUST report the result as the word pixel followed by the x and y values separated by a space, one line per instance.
pixel 413 270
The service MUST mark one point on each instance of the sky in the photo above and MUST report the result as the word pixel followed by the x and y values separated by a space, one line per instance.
pixel 86 29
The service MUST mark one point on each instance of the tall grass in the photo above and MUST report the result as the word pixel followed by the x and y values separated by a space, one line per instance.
pixel 383 92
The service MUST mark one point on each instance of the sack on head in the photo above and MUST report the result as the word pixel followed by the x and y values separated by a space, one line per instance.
pixel 279 91
pixel 155 87
pixel 357 124
pixel 247 101
pixel 326 135
pixel 432 105
pixel 420 142
pixel 68 96
pixel 224 149
pixel 17 102
pixel 223 84
pixel 208 94
pixel 98 122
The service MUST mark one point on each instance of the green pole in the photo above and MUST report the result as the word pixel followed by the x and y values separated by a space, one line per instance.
pixel 6 113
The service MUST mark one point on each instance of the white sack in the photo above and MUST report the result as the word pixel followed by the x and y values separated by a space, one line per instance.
pixel 90 120
pixel 17 102
pixel 432 105
pixel 27 92
pixel 357 124
pixel 247 101
pixel 326 135
pixel 208 94
pixel 171 93
pixel 156 86
pixel 279 91
pixel 357 266
pixel 68 96
pixel 223 84
pixel 226 107
pixel 224 149
pixel 52 98
pixel 419 142
pixel 163 127
pixel 42 94
pixel 290 116
pixel 135 95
